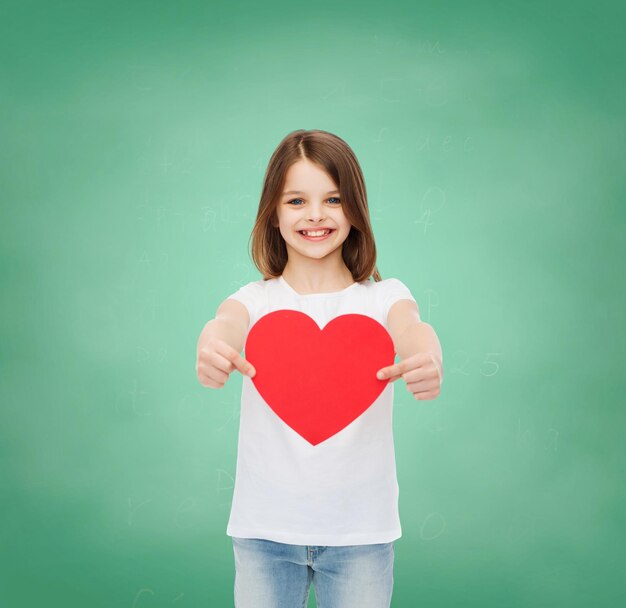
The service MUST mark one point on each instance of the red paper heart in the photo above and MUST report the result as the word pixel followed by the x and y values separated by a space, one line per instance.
pixel 316 380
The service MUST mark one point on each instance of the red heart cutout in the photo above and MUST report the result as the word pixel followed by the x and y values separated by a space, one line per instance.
pixel 318 381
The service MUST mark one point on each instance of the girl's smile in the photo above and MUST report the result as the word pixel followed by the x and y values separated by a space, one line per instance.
pixel 316 235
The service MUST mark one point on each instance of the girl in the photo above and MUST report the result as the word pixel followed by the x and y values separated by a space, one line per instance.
pixel 316 494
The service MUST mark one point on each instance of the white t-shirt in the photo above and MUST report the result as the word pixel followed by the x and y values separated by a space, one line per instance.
pixel 341 491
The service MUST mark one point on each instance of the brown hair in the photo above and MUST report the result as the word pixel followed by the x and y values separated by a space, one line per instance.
pixel 333 155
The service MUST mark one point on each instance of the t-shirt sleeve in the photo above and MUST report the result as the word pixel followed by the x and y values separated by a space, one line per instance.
pixel 394 290
pixel 250 296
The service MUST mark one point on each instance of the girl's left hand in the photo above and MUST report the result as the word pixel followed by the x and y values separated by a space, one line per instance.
pixel 421 372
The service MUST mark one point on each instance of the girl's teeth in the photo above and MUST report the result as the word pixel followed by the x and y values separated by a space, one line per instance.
pixel 317 233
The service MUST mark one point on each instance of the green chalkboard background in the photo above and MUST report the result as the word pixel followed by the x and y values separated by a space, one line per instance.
pixel 134 138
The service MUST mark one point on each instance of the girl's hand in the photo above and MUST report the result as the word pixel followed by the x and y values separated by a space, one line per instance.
pixel 421 372
pixel 217 360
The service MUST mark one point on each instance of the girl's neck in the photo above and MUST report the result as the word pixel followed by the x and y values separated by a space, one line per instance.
pixel 308 281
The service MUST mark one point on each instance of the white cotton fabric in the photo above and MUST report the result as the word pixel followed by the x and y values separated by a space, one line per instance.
pixel 343 491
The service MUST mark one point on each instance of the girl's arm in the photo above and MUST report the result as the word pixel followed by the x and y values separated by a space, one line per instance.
pixel 230 325
pixel 410 335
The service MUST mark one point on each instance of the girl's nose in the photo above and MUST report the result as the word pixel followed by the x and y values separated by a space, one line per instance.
pixel 316 212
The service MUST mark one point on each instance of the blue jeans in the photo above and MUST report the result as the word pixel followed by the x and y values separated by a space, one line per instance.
pixel 277 575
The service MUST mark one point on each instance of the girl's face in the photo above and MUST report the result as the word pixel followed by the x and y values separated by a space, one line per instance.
pixel 310 201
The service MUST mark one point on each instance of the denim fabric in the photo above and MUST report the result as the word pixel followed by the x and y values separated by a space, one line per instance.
pixel 269 574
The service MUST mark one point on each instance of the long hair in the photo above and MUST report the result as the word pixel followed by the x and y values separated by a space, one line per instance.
pixel 333 155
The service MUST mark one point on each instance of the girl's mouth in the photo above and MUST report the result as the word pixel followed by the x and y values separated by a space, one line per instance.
pixel 308 234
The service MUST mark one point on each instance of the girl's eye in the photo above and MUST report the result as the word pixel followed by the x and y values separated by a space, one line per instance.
pixel 335 198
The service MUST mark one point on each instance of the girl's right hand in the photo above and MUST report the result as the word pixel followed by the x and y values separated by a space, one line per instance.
pixel 217 360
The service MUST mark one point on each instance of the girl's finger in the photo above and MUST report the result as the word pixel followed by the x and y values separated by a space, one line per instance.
pixel 439 374
pixel 245 367
pixel 425 395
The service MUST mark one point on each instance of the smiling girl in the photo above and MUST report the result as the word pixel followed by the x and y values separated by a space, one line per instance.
pixel 320 511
